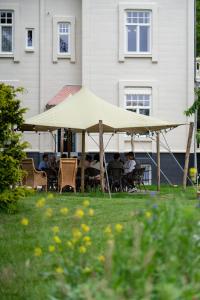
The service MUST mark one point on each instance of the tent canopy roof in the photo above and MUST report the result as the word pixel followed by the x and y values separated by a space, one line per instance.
pixel 84 110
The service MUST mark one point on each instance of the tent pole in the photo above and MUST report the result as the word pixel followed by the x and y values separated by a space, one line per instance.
pixel 68 143
pixel 187 154
pixel 82 163
pixel 101 154
pixel 132 143
pixel 61 140
pixel 158 160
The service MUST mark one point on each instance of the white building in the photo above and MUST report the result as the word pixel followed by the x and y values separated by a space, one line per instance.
pixel 138 54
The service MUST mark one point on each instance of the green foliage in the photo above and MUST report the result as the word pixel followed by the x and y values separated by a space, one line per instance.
pixel 9 198
pixel 11 147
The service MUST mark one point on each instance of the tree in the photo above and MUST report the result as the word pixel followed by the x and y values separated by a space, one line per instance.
pixel 11 147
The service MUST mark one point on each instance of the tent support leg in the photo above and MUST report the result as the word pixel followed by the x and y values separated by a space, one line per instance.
pixel 187 154
pixel 82 163
pixel 158 160
pixel 101 155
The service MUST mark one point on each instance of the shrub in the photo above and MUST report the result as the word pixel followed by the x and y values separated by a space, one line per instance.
pixel 11 147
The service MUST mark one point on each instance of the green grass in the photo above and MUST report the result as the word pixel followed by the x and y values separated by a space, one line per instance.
pixel 22 276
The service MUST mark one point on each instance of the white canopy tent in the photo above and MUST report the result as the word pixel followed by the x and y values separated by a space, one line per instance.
pixel 86 112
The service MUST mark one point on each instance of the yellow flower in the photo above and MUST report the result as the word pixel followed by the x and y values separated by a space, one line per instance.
pixel 49 212
pixel 108 230
pixel 87 241
pixel 79 213
pixel 76 233
pixel 55 229
pixel 24 221
pixel 82 249
pixel 52 248
pixel 57 240
pixel 70 244
pixel 148 214
pixel 50 196
pixel 119 228
pixel 59 270
pixel 85 228
pixel 37 251
pixel 86 203
pixel 87 270
pixel 91 212
pixel 64 211
pixel 101 258
pixel 40 203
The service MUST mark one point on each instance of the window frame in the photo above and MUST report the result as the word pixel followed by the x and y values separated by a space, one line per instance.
pixel 138 107
pixel 147 173
pixel 72 55
pixel 7 25
pixel 30 48
pixel 151 6
pixel 58 39
pixel 126 24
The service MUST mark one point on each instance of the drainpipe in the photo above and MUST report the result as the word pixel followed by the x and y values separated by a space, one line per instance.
pixel 196 85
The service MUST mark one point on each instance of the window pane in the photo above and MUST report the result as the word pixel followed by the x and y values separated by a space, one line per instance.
pixel 144 112
pixel 132 38
pixel 30 38
pixel 6 39
pixel 144 39
pixel 64 46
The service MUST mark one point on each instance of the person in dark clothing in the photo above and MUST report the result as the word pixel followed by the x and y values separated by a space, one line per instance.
pixel 115 163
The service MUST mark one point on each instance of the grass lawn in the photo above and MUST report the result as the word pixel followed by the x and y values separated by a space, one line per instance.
pixel 23 275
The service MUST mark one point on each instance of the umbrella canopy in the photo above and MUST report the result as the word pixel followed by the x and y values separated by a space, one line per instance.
pixel 84 110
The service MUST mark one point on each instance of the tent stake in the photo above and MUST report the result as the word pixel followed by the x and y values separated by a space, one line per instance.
pixel 101 155
pixel 82 163
pixel 158 160
pixel 187 154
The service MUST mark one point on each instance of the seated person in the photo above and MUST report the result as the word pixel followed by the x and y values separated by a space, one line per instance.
pixel 129 166
pixel 95 163
pixel 53 164
pixel 88 160
pixel 44 163
pixel 115 163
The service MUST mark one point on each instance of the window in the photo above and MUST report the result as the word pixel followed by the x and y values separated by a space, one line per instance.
pixel 138 100
pixel 147 174
pixel 138 31
pixel 29 39
pixel 63 38
pixel 6 32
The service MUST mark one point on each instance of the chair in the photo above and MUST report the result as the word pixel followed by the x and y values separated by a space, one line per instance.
pixel 92 178
pixel 67 173
pixel 115 179
pixel 138 177
pixel 33 177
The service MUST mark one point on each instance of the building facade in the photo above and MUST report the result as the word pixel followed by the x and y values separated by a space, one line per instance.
pixel 137 54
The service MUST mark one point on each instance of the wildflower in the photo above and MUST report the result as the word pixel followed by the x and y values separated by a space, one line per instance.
pixel 76 233
pixel 38 251
pixel 57 240
pixel 79 213
pixel 49 212
pixel 101 258
pixel 24 221
pixel 86 203
pixel 40 203
pixel 50 196
pixel 148 214
pixel 82 249
pixel 118 228
pixel 108 230
pixel 85 228
pixel 55 229
pixel 52 248
pixel 70 244
pixel 64 211
pixel 87 270
pixel 91 212
pixel 87 241
pixel 59 270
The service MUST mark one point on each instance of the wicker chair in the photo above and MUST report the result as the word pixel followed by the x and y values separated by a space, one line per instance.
pixel 67 173
pixel 33 177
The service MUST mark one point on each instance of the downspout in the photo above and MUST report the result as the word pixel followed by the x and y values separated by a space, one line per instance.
pixel 196 85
